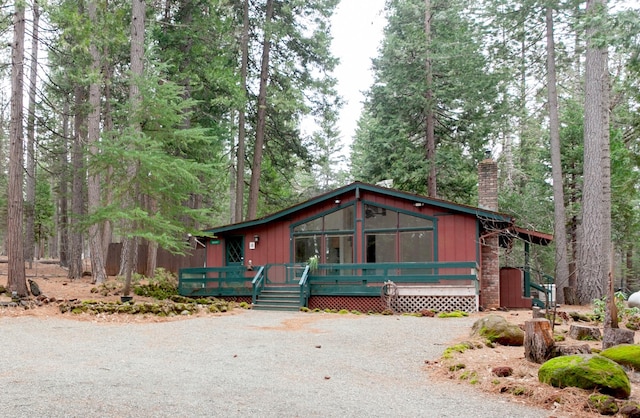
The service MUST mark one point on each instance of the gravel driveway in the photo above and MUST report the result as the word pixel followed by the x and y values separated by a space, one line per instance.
pixel 250 364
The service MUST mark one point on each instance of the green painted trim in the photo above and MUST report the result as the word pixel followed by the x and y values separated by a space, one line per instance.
pixel 398 230
pixel 356 188
pixel 321 214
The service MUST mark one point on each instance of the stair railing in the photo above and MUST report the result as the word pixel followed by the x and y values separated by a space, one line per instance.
pixel 257 284
pixel 304 287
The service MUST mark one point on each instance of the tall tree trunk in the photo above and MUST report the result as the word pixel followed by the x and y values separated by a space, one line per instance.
pixel 77 184
pixel 430 143
pixel 30 195
pixel 240 156
pixel 15 251
pixel 595 233
pixel 137 69
pixel 98 271
pixel 559 218
pixel 63 198
pixel 254 185
pixel 108 128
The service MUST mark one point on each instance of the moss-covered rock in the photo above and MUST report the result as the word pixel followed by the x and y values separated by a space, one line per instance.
pixel 624 354
pixel 496 329
pixel 604 404
pixel 586 371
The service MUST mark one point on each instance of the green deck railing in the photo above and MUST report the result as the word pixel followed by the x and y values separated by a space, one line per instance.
pixel 530 285
pixel 217 281
pixel 327 279
pixel 367 279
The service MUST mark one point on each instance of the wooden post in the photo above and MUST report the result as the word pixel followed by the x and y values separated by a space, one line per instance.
pixel 538 340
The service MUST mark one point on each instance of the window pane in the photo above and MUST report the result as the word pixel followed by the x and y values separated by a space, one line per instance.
pixel 416 246
pixel 306 247
pixel 408 221
pixel 339 220
pixel 381 248
pixel 379 218
pixel 312 225
pixel 339 249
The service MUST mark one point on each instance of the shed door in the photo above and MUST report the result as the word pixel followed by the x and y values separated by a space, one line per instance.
pixel 235 251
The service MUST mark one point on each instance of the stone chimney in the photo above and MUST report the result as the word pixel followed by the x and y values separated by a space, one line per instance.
pixel 488 183
pixel 489 249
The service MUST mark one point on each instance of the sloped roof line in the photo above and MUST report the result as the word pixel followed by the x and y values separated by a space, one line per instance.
pixel 355 187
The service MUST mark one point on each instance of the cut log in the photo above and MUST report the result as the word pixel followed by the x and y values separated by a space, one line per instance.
pixel 617 336
pixel 538 340
pixel 584 333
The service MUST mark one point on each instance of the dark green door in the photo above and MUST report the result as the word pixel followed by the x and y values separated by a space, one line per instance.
pixel 235 251
pixel 235 255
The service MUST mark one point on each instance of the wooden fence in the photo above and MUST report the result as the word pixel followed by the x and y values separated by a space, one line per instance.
pixel 166 260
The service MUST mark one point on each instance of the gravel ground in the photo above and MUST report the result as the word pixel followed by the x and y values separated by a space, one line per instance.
pixel 250 364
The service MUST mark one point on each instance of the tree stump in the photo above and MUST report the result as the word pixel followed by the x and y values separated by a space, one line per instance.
pixel 617 336
pixel 582 332
pixel 538 340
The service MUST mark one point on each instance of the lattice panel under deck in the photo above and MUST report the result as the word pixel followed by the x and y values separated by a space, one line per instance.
pixel 402 304
pixel 434 303
pixel 351 303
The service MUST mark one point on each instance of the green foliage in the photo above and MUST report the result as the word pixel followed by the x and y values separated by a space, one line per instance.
pixel 600 307
pixel 390 140
pixel 161 286
pixel 454 314
pixel 449 352
pixel 44 210
pixel 313 263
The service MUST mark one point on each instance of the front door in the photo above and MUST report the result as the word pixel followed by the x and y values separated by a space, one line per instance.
pixel 235 251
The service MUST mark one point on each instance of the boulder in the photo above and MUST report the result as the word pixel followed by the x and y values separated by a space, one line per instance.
pixel 582 332
pixel 630 410
pixel 604 404
pixel 586 371
pixel 634 300
pixel 502 371
pixel 625 354
pixel 35 289
pixel 496 329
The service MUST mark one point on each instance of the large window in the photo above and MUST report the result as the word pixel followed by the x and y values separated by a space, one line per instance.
pixel 330 237
pixel 393 236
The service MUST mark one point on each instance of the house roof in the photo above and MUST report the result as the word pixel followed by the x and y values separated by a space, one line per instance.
pixel 496 220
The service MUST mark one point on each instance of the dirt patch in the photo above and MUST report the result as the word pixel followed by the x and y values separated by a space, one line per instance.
pixel 53 282
pixel 474 368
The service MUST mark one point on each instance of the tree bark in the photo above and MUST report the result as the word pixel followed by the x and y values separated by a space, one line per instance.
pixel 595 233
pixel 98 271
pixel 15 251
pixel 63 185
pixel 559 217
pixel 538 340
pixel 254 185
pixel 137 69
pixel 30 195
pixel 430 143
pixel 77 185
pixel 241 154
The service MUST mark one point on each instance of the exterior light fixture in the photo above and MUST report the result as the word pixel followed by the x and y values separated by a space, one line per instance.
pixel 418 204
pixel 256 238
pixel 337 201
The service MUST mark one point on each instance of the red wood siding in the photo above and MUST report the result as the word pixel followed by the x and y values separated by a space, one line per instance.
pixel 456 232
